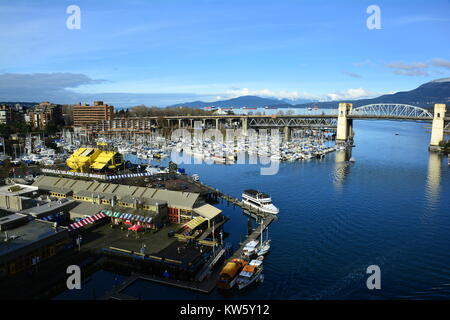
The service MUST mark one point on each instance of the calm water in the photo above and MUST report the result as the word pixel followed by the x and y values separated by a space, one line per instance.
pixel 390 208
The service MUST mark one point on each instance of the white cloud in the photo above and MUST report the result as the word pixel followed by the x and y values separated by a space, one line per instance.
pixel 409 69
pixel 290 95
pixel 350 94
pixel 408 66
pixel 440 63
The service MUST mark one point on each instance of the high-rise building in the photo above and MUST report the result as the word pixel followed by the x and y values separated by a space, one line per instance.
pixel 6 114
pixel 45 113
pixel 86 114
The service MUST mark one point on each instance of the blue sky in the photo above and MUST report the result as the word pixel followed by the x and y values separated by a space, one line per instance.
pixel 163 52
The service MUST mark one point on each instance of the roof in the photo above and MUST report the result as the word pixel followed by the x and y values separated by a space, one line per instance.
pixel 87 208
pixel 175 199
pixel 92 194
pixel 12 219
pixel 194 223
pixel 48 207
pixel 207 211
pixel 17 189
pixel 145 201
pixel 27 234
pixel 182 200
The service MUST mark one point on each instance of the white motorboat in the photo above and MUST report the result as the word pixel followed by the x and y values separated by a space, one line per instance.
pixel 259 200
pixel 250 249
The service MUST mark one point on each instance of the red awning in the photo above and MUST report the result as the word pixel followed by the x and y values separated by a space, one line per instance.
pixel 87 220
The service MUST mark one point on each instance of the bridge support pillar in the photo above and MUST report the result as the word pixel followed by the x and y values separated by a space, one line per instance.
pixel 287 133
pixel 344 125
pixel 437 129
pixel 217 123
pixel 245 126
pixel 179 123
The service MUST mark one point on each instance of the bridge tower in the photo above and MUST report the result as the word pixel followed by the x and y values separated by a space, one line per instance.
pixel 344 125
pixel 437 129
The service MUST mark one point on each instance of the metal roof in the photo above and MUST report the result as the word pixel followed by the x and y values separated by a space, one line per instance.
pixel 176 199
pixel 207 211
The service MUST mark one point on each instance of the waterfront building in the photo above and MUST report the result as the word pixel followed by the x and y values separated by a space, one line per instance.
pixel 25 242
pixel 175 206
pixel 86 114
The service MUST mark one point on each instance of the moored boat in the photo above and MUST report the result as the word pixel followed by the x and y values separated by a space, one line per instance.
pixel 228 275
pixel 259 200
pixel 251 273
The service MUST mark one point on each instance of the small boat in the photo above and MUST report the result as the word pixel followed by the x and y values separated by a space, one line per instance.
pixel 352 159
pixel 195 177
pixel 259 200
pixel 250 249
pixel 264 248
pixel 251 273
pixel 228 275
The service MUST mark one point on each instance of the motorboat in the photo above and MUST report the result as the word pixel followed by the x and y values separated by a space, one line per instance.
pixel 228 275
pixel 250 249
pixel 259 200
pixel 251 273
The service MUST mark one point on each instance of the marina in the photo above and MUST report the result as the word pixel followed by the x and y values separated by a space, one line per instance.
pixel 285 273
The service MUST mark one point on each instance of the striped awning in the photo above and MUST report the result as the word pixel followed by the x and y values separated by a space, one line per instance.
pixel 194 223
pixel 128 216
pixel 87 220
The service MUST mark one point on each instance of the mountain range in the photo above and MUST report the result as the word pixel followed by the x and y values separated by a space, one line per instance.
pixel 425 96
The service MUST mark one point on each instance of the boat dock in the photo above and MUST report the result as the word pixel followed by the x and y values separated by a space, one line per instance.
pixel 204 287
pixel 264 218
pixel 206 279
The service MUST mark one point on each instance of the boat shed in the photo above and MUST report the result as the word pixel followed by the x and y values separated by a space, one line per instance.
pixel 208 212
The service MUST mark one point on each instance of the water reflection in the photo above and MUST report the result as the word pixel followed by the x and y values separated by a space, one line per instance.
pixel 341 167
pixel 433 178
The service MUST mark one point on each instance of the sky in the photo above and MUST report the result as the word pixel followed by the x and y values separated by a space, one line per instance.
pixel 170 51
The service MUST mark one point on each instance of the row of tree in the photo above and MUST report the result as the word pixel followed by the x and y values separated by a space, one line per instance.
pixel 144 111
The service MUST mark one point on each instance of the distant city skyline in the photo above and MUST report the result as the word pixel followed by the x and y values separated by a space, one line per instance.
pixel 167 52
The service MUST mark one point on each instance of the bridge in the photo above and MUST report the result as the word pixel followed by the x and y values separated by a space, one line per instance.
pixel 341 120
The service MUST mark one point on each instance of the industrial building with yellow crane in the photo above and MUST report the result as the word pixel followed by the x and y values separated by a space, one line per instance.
pixel 92 159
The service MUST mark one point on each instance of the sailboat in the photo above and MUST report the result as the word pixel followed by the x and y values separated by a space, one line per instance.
pixel 264 246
